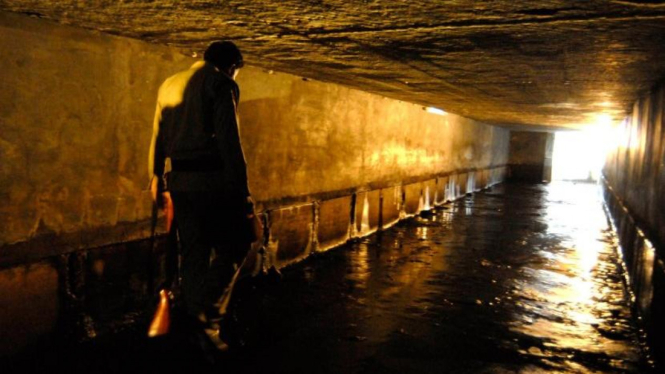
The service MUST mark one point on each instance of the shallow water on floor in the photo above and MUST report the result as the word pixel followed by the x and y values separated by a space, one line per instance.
pixel 519 278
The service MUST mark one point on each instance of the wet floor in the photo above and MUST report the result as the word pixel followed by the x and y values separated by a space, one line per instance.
pixel 516 279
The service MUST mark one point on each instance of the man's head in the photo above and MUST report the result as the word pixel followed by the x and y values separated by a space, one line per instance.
pixel 225 56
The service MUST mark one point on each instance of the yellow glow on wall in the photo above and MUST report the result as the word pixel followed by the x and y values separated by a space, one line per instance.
pixel 364 223
pixel 401 156
pixel 622 134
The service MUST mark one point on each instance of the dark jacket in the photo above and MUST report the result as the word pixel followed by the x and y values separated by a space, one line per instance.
pixel 196 129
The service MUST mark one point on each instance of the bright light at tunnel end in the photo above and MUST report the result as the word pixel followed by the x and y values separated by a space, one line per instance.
pixel 580 155
pixel 603 121
pixel 434 110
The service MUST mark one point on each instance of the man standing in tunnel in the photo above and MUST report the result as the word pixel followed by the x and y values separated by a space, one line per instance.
pixel 196 141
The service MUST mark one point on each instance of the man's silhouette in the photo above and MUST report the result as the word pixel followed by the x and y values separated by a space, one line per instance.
pixel 196 136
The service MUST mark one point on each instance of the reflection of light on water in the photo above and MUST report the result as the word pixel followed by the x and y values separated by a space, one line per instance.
pixel 566 276
pixel 362 261
pixel 360 265
pixel 391 284
pixel 447 215
pixel 587 252
pixel 579 217
pixel 421 233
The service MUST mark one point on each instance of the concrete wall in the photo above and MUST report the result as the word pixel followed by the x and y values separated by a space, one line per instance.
pixel 634 181
pixel 333 138
pixel 326 163
pixel 530 156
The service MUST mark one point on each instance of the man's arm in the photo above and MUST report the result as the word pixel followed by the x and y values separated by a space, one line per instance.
pixel 156 155
pixel 156 159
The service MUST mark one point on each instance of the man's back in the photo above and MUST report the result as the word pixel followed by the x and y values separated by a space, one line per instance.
pixel 182 117
pixel 197 126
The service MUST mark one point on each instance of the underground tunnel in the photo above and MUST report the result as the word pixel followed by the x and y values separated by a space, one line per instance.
pixel 450 186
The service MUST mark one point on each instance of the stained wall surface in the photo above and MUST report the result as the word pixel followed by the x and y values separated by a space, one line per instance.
pixel 306 137
pixel 76 112
pixel 530 156
pixel 634 181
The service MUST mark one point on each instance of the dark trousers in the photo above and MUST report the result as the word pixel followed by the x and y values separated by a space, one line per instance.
pixel 214 239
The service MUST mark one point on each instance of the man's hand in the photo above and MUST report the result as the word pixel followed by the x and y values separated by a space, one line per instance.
pixel 163 200
pixel 154 186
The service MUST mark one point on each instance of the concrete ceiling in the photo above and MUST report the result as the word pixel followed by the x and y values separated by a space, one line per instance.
pixel 506 62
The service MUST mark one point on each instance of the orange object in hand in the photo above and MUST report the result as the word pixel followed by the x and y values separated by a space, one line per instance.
pixel 161 322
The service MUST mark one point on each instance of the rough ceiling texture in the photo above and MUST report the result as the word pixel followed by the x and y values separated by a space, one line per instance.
pixel 542 63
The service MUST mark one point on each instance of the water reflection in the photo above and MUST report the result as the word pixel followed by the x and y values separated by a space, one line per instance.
pixel 421 233
pixel 533 276
pixel 447 214
pixel 572 294
pixel 359 264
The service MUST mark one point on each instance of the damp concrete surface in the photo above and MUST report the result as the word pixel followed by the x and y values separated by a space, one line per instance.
pixel 516 279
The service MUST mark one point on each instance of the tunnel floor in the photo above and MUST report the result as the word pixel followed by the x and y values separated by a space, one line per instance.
pixel 520 278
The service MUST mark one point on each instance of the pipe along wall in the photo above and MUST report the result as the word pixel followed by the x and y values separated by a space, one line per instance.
pixel 326 164
pixel 634 189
